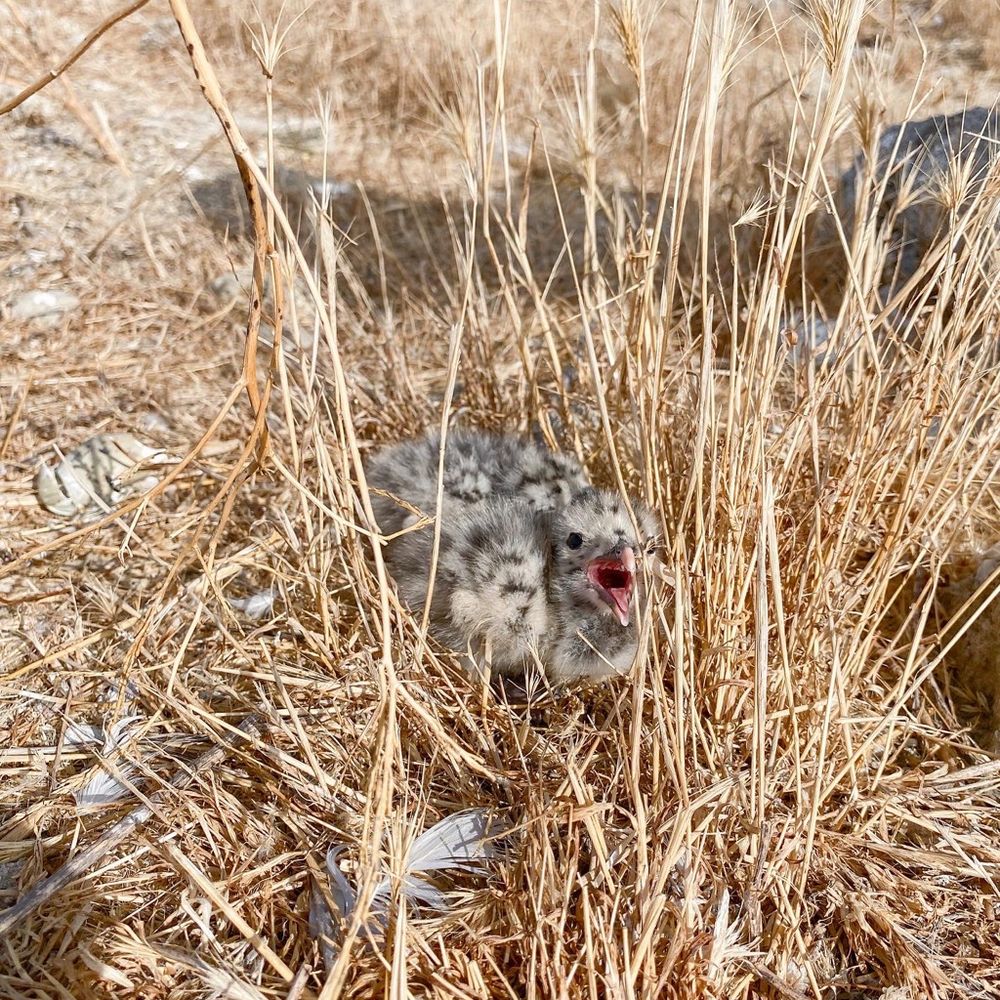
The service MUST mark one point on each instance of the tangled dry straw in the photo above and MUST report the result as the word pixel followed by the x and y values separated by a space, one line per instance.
pixel 608 238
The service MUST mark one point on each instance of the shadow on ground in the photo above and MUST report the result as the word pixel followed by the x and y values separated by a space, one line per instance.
pixel 404 249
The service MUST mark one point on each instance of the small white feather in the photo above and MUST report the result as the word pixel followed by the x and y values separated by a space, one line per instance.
pixel 419 891
pixel 222 983
pixel 344 896
pixel 345 899
pixel 256 605
pixel 120 732
pixel 458 841
pixel 322 929
pixel 102 790
pixel 78 733
pixel 102 470
pixel 462 841
pixel 63 496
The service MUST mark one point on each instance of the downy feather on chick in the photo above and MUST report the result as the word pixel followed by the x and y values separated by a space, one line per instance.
pixel 534 564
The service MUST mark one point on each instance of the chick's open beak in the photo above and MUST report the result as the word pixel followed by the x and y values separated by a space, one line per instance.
pixel 613 577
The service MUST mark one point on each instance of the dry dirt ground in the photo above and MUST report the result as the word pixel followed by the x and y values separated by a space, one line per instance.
pixel 705 830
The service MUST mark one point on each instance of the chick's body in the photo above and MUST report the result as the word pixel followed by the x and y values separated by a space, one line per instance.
pixel 477 466
pixel 491 588
pixel 534 565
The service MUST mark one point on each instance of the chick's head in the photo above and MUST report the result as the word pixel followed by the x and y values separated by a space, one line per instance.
pixel 596 551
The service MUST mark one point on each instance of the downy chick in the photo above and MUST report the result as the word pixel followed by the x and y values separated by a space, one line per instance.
pixel 523 577
pixel 477 465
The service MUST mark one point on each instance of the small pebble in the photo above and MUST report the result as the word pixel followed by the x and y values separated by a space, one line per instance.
pixel 46 305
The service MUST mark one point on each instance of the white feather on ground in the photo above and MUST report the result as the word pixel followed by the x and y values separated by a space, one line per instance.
pixel 255 605
pixel 460 842
pixel 103 788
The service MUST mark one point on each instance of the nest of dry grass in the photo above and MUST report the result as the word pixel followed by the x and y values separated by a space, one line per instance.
pixel 603 231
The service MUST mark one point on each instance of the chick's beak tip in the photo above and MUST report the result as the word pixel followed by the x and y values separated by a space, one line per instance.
pixel 628 559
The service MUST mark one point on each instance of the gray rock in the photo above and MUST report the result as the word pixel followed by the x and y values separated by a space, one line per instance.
pixel 227 286
pixel 921 154
pixel 234 289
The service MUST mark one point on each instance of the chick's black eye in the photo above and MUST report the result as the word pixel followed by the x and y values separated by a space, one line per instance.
pixel 574 541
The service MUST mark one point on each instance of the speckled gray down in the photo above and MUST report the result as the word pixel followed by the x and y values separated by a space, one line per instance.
pixel 520 528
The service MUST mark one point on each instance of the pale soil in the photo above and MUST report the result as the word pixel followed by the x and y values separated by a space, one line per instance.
pixel 131 220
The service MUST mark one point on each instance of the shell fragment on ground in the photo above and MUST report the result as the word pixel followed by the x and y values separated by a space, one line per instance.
pixel 99 473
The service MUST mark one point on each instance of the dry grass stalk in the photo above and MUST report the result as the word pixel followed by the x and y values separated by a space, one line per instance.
pixel 83 863
pixel 56 71
pixel 783 799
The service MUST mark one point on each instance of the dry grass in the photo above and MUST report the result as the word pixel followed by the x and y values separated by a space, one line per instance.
pixel 785 798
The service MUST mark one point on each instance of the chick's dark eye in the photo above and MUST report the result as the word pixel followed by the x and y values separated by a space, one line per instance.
pixel 574 541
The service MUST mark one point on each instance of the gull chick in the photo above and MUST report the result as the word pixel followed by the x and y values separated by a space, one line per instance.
pixel 538 568
pixel 477 466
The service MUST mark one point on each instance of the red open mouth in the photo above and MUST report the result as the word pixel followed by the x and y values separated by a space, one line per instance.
pixel 613 580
